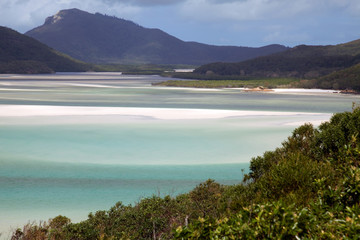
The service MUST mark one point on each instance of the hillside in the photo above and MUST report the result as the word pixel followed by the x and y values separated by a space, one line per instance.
pixel 98 38
pixel 306 189
pixel 347 79
pixel 23 54
pixel 301 62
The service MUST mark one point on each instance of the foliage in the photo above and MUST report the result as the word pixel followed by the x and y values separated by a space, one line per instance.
pixel 268 83
pixel 268 221
pixel 24 66
pixel 305 62
pixel 282 65
pixel 348 78
pixel 309 188
pixel 277 221
pixel 199 76
pixel 54 229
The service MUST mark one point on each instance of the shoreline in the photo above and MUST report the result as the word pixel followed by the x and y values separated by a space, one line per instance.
pixel 300 91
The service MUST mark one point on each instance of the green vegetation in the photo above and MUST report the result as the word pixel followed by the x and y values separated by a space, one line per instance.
pixel 22 54
pixel 321 66
pixel 347 79
pixel 284 64
pixel 268 83
pixel 327 67
pixel 198 76
pixel 349 48
pixel 309 188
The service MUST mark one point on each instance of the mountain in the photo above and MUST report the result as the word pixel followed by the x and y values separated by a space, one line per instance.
pixel 23 54
pixel 301 62
pixel 98 38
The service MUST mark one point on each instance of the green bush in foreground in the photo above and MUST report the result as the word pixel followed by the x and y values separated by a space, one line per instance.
pixel 307 189
pixel 334 215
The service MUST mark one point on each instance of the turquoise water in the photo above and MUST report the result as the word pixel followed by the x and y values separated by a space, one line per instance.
pixel 40 190
pixel 142 142
pixel 72 165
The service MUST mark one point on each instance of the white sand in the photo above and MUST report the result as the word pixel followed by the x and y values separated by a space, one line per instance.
pixel 158 113
pixel 302 90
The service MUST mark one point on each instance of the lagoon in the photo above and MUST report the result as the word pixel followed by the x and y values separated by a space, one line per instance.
pixel 75 143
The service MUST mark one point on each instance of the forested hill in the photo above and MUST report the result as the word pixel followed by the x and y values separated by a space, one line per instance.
pixel 348 78
pixel 98 38
pixel 301 62
pixel 23 54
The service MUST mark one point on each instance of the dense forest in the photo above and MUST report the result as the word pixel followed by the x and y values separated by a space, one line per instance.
pixel 281 66
pixel 23 54
pixel 301 62
pixel 309 188
pixel 264 84
pixel 348 78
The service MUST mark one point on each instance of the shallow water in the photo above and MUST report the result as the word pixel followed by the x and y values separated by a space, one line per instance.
pixel 72 165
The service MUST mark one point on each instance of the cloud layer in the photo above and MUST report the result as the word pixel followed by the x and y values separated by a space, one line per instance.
pixel 266 9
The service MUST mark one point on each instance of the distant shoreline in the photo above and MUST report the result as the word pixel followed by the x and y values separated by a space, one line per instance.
pixel 251 85
pixel 261 85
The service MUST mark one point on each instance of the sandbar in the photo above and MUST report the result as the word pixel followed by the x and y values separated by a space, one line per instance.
pixel 157 113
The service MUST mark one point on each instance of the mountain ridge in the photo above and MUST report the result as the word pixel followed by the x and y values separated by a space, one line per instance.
pixel 302 61
pixel 99 38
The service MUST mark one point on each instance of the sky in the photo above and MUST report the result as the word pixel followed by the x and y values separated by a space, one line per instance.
pixel 252 23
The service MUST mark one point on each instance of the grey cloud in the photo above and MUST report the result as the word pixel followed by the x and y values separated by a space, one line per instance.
pixel 246 10
pixel 145 3
pixel 225 1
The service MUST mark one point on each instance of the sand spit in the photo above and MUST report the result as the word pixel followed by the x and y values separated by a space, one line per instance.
pixel 157 113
